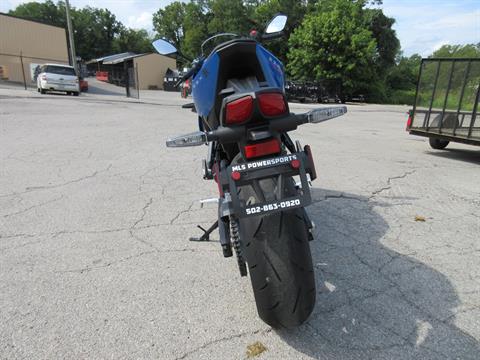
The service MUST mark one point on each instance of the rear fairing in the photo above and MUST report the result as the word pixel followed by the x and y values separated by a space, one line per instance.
pixel 227 61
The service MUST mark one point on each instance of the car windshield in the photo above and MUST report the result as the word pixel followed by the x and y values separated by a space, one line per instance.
pixel 60 70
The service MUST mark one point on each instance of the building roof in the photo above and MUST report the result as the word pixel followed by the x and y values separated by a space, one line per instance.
pixel 109 57
pixel 35 21
pixel 116 58
pixel 120 59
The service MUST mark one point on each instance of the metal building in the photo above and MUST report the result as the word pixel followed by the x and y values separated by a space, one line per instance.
pixel 148 69
pixel 24 44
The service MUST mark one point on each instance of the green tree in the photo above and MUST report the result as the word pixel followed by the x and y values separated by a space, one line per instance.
pixel 333 42
pixel 266 10
pixel 94 31
pixel 388 44
pixel 137 41
pixel 460 51
pixel 228 16
pixel 47 12
pixel 195 27
pixel 169 22
pixel 403 76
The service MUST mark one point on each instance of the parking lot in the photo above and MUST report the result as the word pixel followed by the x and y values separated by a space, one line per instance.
pixel 95 216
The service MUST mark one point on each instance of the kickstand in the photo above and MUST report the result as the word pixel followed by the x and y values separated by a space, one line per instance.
pixel 206 233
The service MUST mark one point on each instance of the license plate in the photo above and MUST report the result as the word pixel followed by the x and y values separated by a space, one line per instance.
pixel 290 203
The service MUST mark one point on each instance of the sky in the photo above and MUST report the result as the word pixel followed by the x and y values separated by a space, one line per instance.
pixel 421 25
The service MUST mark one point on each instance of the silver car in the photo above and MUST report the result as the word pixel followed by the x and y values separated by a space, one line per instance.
pixel 57 77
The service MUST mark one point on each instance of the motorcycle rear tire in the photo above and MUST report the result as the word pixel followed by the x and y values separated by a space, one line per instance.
pixel 278 254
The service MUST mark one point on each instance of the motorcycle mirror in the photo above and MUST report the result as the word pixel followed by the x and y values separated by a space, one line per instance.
pixel 193 139
pixel 163 47
pixel 277 24
pixel 323 114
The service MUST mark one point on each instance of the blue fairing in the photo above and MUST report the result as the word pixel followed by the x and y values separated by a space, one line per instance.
pixel 272 67
pixel 204 85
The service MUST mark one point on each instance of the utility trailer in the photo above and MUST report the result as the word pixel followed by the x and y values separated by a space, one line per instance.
pixel 446 102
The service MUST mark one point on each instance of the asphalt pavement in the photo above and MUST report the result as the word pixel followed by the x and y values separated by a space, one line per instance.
pixel 95 216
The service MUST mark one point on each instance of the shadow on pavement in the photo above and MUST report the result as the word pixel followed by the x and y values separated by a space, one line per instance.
pixel 471 156
pixel 373 302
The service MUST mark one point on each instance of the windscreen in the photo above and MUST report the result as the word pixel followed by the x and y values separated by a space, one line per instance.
pixel 60 70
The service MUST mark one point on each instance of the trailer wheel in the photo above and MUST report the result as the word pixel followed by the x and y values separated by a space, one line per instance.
pixel 438 144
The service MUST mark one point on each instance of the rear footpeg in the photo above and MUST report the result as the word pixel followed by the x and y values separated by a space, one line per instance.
pixel 208 201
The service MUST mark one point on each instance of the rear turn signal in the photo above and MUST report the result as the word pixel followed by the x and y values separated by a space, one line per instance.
pixel 272 104
pixel 239 110
pixel 268 147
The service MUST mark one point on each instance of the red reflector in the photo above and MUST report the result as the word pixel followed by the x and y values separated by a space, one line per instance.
pixel 239 110
pixel 272 104
pixel 236 175
pixel 295 164
pixel 261 149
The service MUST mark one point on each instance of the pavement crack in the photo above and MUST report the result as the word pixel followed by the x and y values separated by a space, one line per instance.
pixel 389 183
pixel 54 186
pixel 144 213
pixel 175 218
pixel 339 196
pixel 34 206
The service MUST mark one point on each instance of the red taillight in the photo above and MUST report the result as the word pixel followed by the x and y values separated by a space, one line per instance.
pixel 272 104
pixel 409 122
pixel 239 110
pixel 261 149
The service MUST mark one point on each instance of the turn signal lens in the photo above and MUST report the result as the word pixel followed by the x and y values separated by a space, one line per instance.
pixel 268 147
pixel 272 104
pixel 239 111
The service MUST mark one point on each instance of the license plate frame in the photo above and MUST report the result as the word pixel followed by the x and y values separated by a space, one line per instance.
pixel 277 167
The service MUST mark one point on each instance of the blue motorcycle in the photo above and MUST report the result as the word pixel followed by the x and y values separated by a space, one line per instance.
pixel 263 176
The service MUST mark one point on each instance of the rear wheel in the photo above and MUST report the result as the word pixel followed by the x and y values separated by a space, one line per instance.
pixel 279 261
